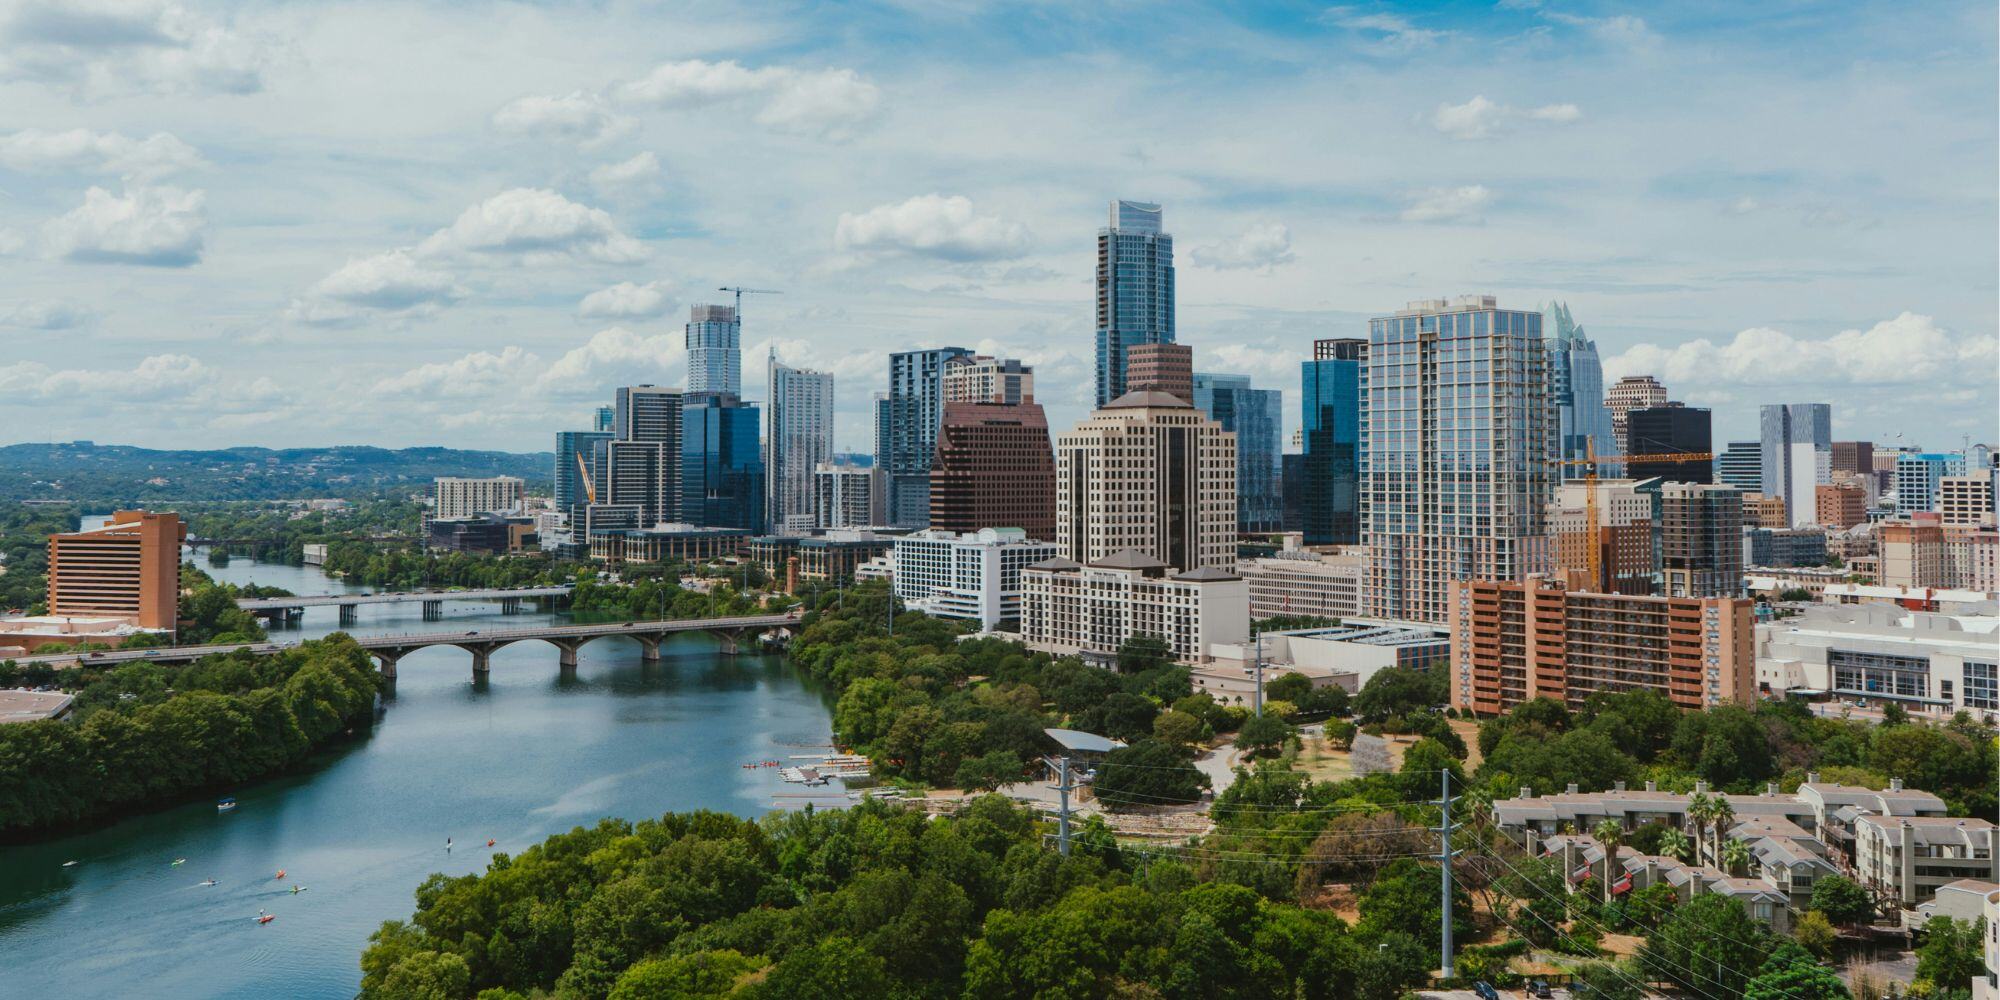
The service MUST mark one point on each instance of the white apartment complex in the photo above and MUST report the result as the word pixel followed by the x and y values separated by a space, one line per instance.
pixel 1150 473
pixel 974 577
pixel 1091 610
pixel 458 498
pixel 844 496
pixel 1307 582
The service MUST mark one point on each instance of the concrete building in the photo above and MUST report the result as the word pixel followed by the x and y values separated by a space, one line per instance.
pixel 1913 555
pixel 1854 457
pixel 831 557
pixel 1346 655
pixel 484 533
pixel 1741 465
pixel 994 469
pixel 1700 540
pixel 972 577
pixel 1624 536
pixel 1987 987
pixel 1633 392
pixel 454 497
pixel 647 413
pixel 798 440
pixel 643 474
pixel 1911 857
pixel 34 706
pixel 906 426
pixel 844 496
pixel 666 543
pixel 127 569
pixel 1455 465
pixel 714 349
pixel 1329 490
pixel 1951 602
pixel 1252 415
pixel 1307 582
pixel 1513 641
pixel 1091 610
pixel 983 379
pixel 1576 382
pixel 1135 291
pixel 1918 475
pixel 1968 499
pixel 1932 664
pixel 1764 511
pixel 1840 505
pixel 1783 548
pixel 1797 454
pixel 1150 473
pixel 1672 429
pixel 1167 368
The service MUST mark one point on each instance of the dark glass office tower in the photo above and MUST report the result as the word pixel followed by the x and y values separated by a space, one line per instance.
pixel 1672 429
pixel 722 467
pixel 1330 470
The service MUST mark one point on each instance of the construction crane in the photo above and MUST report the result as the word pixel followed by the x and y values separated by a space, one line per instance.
pixel 589 484
pixel 1591 461
pixel 741 291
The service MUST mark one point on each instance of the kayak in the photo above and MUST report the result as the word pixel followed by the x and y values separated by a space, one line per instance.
pixel 267 918
pixel 178 862
pixel 70 864
pixel 281 874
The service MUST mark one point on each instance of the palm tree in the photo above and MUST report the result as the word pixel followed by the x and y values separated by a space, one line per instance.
pixel 1723 816
pixel 1607 833
pixel 1674 844
pixel 1700 809
pixel 1735 857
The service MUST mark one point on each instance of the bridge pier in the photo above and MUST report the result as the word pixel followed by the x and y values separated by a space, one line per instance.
pixel 510 605
pixel 728 642
pixel 481 662
pixel 433 610
pixel 385 660
pixel 566 652
pixel 649 648
pixel 348 615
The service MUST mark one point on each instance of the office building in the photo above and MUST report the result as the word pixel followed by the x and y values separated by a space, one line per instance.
pixel 1765 512
pixel 455 497
pixel 1672 429
pixel 982 379
pixel 994 469
pixel 906 425
pixel 1306 582
pixel 1840 505
pixel 1912 555
pixel 1797 455
pixel 721 465
pixel 1091 610
pixel 844 496
pixel 572 480
pixel 126 569
pixel 1633 392
pixel 1151 473
pixel 798 441
pixel 715 354
pixel 588 519
pixel 1624 563
pixel 1576 381
pixel 971 577
pixel 1135 290
pixel 642 474
pixel 1167 368
pixel 1780 548
pixel 1853 456
pixel 1291 491
pixel 483 534
pixel 1330 403
pixel 1918 475
pixel 1969 499
pixel 1252 415
pixel 647 413
pixel 1700 540
pixel 663 543
pixel 1741 465
pixel 832 557
pixel 1516 640
pixel 1455 468
pixel 606 419
pixel 1933 664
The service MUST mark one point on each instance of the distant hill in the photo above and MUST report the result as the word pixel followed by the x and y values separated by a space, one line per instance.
pixel 92 473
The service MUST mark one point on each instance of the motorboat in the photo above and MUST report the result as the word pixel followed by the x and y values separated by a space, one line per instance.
pixel 225 805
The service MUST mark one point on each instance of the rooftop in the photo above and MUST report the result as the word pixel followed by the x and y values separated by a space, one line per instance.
pixel 32 706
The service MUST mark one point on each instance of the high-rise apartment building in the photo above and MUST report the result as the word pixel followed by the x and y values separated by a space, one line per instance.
pixel 647 413
pixel 128 568
pixel 798 440
pixel 1968 500
pixel 456 497
pixel 1853 456
pixel 994 469
pixel 1798 455
pixel 1135 290
pixel 981 379
pixel 1455 464
pixel 1633 392
pixel 1330 469
pixel 1512 641
pixel 714 347
pixel 1700 540
pixel 1091 610
pixel 1912 555
pixel 844 496
pixel 1252 415
pixel 1741 465
pixel 1764 512
pixel 642 474
pixel 1167 368
pixel 1840 505
pixel 721 466
pixel 1918 475
pixel 1624 536
pixel 1672 429
pixel 1149 473
pixel 1576 380
pixel 906 425
pixel 574 453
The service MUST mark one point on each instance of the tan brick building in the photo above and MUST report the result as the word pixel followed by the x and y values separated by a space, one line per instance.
pixel 129 568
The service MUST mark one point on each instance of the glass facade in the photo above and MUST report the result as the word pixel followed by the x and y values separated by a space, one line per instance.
pixel 1576 381
pixel 1797 446
pixel 799 440
pixel 570 488
pixel 1917 478
pixel 906 426
pixel 1880 675
pixel 1135 290
pixel 1330 470
pixel 1253 416
pixel 1741 465
pixel 722 468
pixel 715 356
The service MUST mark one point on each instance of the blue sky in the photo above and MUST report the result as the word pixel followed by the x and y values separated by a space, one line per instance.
pixel 413 223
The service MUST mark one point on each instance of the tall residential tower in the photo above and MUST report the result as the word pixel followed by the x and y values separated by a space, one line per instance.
pixel 714 346
pixel 798 440
pixel 1135 290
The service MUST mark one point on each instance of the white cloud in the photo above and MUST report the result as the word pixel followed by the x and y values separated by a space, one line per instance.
pixel 931 225
pixel 103 47
pixel 1623 30
pixel 154 226
pixel 626 300
pixel 516 378
pixel 393 281
pixel 1910 349
pixel 1265 245
pixel 84 151
pixel 535 222
pixel 1388 32
pixel 481 373
pixel 576 116
pixel 831 103
pixel 1481 118
pixel 161 376
pixel 636 173
pixel 611 357
pixel 1459 204
pixel 48 314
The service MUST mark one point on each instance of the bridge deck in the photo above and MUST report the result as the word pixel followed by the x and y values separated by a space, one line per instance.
pixel 401 597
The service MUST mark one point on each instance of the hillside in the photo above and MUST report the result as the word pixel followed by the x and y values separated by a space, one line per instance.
pixel 96 474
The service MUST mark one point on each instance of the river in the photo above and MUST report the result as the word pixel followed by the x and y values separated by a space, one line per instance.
pixel 513 759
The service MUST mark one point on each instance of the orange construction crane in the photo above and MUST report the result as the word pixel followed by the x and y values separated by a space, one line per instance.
pixel 589 485
pixel 1591 461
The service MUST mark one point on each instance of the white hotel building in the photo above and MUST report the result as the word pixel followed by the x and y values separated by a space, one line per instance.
pixel 974 576
pixel 1091 610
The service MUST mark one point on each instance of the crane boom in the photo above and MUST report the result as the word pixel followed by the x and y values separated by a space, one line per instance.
pixel 741 291
pixel 589 485
pixel 1594 558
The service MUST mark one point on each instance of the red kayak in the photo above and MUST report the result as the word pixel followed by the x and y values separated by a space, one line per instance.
pixel 267 918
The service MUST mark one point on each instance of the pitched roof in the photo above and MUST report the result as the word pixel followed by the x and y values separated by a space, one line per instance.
pixel 1149 398
pixel 1206 573
pixel 1129 559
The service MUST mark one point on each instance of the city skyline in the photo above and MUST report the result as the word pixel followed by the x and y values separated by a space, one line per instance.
pixel 170 282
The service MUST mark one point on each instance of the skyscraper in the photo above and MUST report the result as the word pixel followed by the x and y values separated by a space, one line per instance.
pixel 715 356
pixel 1330 469
pixel 1741 465
pixel 607 418
pixel 647 413
pixel 721 467
pixel 1701 540
pixel 1917 475
pixel 1152 474
pixel 980 379
pixel 1672 429
pixel 1455 468
pixel 574 451
pixel 799 438
pixel 1135 290
pixel 1576 379
pixel 1797 455
pixel 1631 393
pixel 1252 415
pixel 994 469
pixel 644 475
pixel 1167 368
pixel 844 495
pixel 906 424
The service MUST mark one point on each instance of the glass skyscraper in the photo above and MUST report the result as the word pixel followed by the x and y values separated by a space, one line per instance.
pixel 1253 416
pixel 714 346
pixel 799 439
pixel 570 484
pixel 906 426
pixel 1330 470
pixel 1135 290
pixel 1917 475
pixel 1798 456
pixel 1741 465
pixel 1576 381
pixel 722 468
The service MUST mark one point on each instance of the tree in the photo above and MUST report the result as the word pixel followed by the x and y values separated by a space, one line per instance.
pixel 988 771
pixel 1674 844
pixel 1604 981
pixel 684 977
pixel 1735 856
pixel 1148 773
pixel 1400 691
pixel 1815 933
pixel 1951 954
pixel 1404 899
pixel 1793 974
pixel 1650 907
pixel 1894 714
pixel 1707 947
pixel 835 967
pixel 1263 735
pixel 1142 652
pixel 1179 728
pixel 1608 833
pixel 1340 733
pixel 1842 901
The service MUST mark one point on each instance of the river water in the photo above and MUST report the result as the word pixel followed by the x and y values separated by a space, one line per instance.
pixel 514 759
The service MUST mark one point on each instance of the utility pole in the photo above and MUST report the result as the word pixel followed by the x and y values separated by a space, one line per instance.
pixel 1444 856
pixel 1257 700
pixel 1062 815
